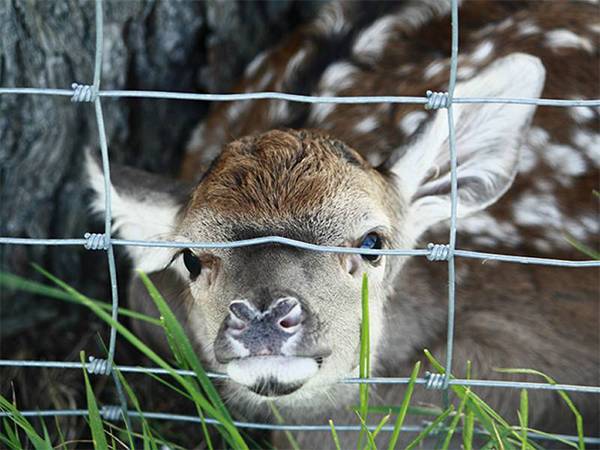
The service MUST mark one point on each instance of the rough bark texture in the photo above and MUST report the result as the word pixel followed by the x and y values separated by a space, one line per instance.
pixel 159 45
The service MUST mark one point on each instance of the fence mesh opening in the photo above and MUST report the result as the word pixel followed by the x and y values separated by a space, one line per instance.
pixel 434 252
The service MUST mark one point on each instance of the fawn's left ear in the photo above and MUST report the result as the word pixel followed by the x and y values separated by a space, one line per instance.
pixel 488 138
pixel 144 207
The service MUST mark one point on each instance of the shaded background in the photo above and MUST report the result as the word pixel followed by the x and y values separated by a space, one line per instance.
pixel 152 45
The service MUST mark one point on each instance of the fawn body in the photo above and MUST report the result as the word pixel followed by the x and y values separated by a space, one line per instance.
pixel 284 323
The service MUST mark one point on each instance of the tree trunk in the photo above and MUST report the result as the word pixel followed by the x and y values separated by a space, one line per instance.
pixel 158 45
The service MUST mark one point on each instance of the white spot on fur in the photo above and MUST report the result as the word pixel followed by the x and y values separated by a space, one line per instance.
pixel 505 24
pixel 331 20
pixel 527 160
pixel 537 137
pixel 581 114
pixel 433 69
pixel 465 72
pixel 528 28
pixel 537 210
pixel 294 63
pixel 236 109
pixel 565 160
pixel 482 52
pixel 485 226
pixel 594 28
pixel 252 68
pixel 563 38
pixel 279 110
pixel 338 76
pixel 319 112
pixel 411 121
pixel 367 124
pixel 371 42
pixel 286 370
pixel 589 142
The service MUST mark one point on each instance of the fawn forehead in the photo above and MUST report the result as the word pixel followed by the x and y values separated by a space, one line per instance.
pixel 281 176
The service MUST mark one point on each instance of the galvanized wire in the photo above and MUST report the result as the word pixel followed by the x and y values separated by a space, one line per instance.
pixel 428 252
pixel 357 99
pixel 434 252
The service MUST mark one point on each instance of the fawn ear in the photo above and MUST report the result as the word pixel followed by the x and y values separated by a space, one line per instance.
pixel 144 207
pixel 488 138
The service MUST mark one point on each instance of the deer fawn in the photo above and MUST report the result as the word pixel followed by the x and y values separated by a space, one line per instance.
pixel 284 322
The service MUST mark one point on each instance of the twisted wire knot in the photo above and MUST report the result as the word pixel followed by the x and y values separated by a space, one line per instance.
pixel 95 241
pixel 110 412
pixel 98 366
pixel 83 93
pixel 437 100
pixel 435 380
pixel 438 252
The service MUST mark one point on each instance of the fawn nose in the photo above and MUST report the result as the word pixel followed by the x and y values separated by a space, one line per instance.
pixel 263 333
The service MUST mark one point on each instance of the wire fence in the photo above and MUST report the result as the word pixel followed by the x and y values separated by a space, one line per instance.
pixel 434 252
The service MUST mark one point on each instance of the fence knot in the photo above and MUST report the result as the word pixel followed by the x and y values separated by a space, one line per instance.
pixel 110 412
pixel 437 100
pixel 98 366
pixel 95 241
pixel 435 380
pixel 83 93
pixel 438 252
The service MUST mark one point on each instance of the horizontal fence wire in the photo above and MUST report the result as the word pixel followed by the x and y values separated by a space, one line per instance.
pixel 372 380
pixel 434 252
pixel 110 413
pixel 307 246
pixel 356 99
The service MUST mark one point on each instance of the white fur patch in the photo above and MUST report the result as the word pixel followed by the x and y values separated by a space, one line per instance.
pixel 563 38
pixel 465 72
pixel 371 42
pixel 433 69
pixel 565 160
pixel 319 113
pixel 581 114
pixel 252 68
pixel 284 369
pixel 482 52
pixel 528 28
pixel 295 62
pixel 331 20
pixel 367 124
pixel 537 210
pixel 338 76
pixel 589 142
pixel 411 121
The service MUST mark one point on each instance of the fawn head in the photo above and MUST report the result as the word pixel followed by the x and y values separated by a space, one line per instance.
pixel 284 322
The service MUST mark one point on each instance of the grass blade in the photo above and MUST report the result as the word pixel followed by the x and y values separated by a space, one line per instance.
pixel 364 362
pixel 95 421
pixel 334 435
pixel 563 395
pixel 404 406
pixel 18 283
pixel 524 417
pixel 429 428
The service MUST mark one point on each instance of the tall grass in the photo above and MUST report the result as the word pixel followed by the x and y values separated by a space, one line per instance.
pixel 468 418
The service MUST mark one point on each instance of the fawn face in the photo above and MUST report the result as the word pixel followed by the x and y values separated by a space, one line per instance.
pixel 284 322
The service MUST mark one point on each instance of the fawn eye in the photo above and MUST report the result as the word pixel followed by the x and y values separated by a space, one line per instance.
pixel 371 241
pixel 192 263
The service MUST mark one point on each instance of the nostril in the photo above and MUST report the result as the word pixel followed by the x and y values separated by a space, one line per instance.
pixel 241 314
pixel 291 320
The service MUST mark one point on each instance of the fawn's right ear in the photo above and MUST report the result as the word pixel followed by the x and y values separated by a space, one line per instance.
pixel 144 206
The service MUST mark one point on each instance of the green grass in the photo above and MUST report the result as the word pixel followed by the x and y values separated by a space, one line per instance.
pixel 464 420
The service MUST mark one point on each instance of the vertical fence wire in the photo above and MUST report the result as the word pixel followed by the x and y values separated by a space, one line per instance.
pixel 454 201
pixel 106 243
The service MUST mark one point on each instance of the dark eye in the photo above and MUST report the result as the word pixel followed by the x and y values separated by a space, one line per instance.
pixel 192 263
pixel 371 241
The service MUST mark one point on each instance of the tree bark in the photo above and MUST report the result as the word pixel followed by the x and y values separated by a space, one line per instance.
pixel 158 45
